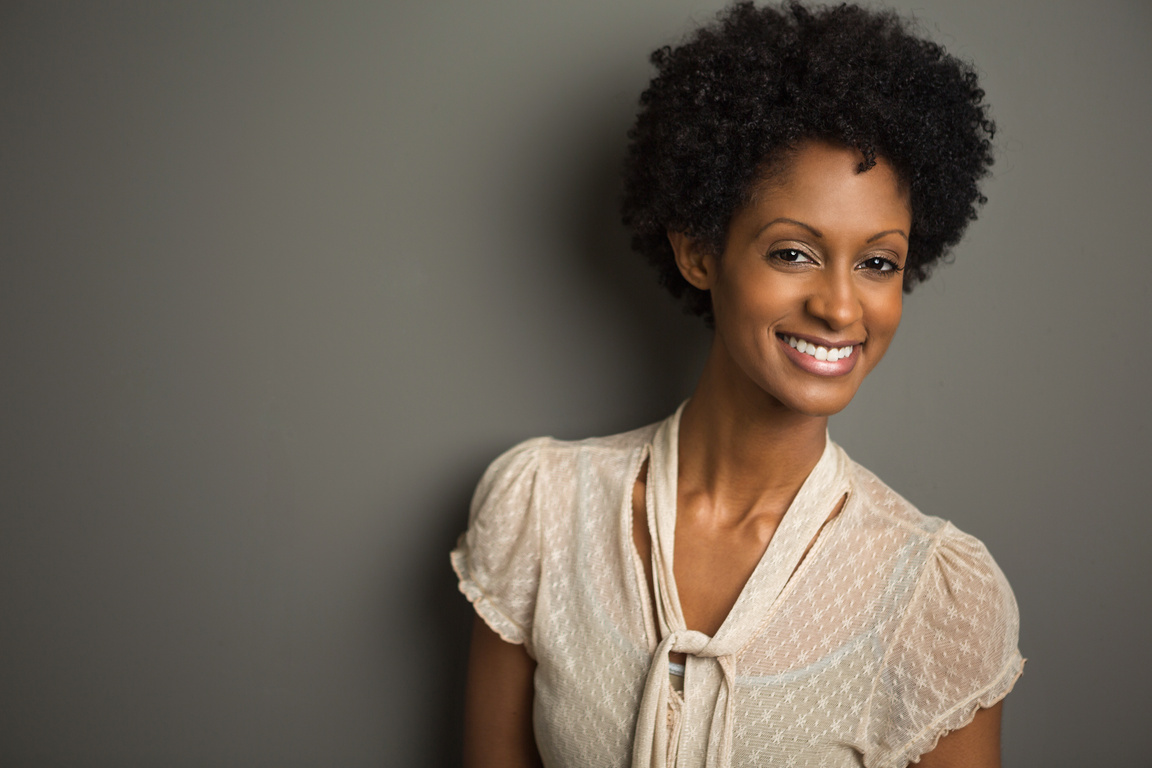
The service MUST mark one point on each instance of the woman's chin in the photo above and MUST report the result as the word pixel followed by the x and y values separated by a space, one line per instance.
pixel 819 399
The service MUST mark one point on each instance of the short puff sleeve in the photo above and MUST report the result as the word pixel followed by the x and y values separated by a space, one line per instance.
pixel 498 558
pixel 955 652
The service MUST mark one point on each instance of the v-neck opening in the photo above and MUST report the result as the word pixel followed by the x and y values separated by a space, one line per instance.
pixel 782 560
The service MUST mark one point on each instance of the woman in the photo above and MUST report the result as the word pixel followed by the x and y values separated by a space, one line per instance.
pixel 727 587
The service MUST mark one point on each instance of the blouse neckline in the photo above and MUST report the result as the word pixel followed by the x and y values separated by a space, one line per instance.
pixel 710 667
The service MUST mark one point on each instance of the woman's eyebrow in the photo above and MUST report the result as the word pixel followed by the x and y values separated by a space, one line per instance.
pixel 783 220
pixel 818 233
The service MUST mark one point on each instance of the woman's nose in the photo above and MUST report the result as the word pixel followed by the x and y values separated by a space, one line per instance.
pixel 834 301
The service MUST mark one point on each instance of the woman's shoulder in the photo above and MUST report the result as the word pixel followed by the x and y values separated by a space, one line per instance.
pixel 549 452
pixel 879 502
pixel 548 473
pixel 942 544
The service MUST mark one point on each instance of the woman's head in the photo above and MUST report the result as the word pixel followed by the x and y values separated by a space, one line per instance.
pixel 806 295
pixel 729 108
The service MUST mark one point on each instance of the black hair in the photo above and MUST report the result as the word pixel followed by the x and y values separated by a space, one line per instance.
pixel 727 106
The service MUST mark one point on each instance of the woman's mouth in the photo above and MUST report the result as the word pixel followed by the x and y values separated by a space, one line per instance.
pixel 831 354
pixel 818 359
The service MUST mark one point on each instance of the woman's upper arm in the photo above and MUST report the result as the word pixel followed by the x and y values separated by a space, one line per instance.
pixel 498 703
pixel 976 745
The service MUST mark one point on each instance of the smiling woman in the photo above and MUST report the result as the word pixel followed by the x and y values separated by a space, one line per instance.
pixel 727 587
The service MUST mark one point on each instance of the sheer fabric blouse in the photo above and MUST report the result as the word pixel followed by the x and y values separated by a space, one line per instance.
pixel 893 629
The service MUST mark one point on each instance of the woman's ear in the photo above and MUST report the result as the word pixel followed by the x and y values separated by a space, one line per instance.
pixel 696 264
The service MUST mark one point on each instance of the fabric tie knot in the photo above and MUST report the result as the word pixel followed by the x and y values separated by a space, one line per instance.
pixel 689 641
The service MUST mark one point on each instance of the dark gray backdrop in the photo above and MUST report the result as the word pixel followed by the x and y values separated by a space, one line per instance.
pixel 278 280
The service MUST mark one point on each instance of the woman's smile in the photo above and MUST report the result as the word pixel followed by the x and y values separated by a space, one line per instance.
pixel 820 357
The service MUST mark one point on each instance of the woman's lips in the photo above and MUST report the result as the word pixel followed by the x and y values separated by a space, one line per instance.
pixel 818 359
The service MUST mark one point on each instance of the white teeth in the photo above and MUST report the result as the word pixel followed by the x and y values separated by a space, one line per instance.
pixel 820 353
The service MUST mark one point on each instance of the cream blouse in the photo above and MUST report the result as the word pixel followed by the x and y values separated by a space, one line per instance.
pixel 894 629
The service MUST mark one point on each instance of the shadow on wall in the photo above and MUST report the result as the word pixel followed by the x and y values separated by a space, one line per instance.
pixel 449 617
pixel 667 345
pixel 581 209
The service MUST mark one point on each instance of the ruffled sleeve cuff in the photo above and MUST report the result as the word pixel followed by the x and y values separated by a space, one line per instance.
pixel 498 558
pixel 963 714
pixel 485 606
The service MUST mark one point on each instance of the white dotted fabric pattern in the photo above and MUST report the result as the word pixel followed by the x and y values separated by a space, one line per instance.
pixel 894 629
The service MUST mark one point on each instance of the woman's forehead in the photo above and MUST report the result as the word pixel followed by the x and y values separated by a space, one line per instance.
pixel 823 186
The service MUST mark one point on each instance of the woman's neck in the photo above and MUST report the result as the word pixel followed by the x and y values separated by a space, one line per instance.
pixel 741 449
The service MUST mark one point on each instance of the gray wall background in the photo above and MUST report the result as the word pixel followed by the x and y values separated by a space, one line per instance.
pixel 278 280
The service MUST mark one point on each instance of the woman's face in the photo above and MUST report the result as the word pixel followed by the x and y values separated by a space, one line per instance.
pixel 808 292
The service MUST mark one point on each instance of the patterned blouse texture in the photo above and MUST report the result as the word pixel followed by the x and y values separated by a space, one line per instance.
pixel 893 629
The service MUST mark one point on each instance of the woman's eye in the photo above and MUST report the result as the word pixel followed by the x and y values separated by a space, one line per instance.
pixel 791 256
pixel 879 264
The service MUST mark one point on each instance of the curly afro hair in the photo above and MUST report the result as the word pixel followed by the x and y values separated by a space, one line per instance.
pixel 728 106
